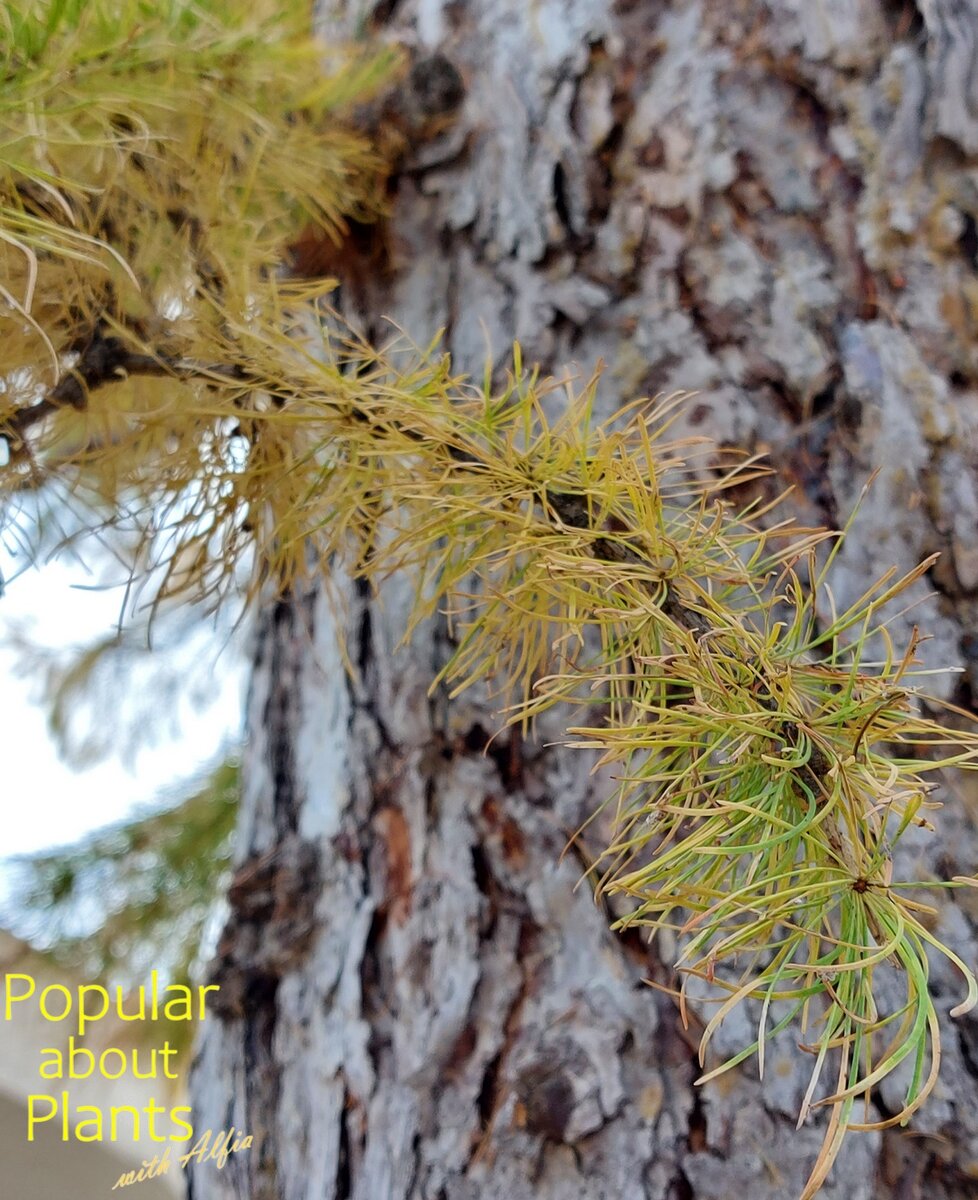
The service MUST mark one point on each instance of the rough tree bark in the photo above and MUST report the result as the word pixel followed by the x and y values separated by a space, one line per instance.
pixel 774 203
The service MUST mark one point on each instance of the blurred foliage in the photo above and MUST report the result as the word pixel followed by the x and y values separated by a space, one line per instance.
pixel 124 691
pixel 136 896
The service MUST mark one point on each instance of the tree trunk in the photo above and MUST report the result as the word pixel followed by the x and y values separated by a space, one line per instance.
pixel 772 203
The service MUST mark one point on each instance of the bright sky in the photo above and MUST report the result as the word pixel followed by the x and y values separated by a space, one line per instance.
pixel 45 802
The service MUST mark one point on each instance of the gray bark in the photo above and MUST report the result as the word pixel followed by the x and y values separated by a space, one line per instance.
pixel 774 204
